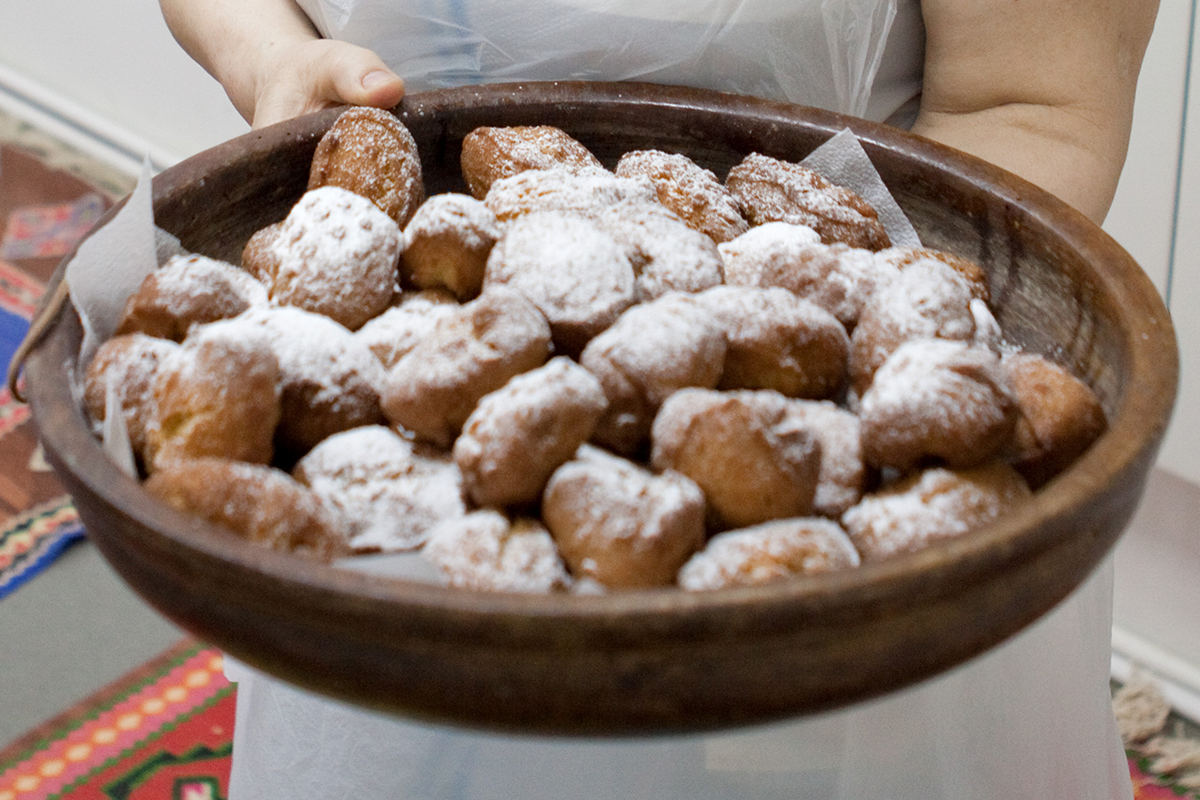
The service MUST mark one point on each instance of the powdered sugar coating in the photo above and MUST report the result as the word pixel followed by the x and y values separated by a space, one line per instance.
pixel 189 290
pixel 932 506
pixel 575 272
pixel 689 190
pixel 519 434
pixel 928 299
pixel 588 193
pixel 368 151
pixel 773 190
pixel 937 399
pixel 751 468
pixel 779 341
pixel 398 329
pixel 336 255
pixel 770 552
pixel 485 552
pixel 904 257
pixel 620 524
pixel 667 255
pixel 434 388
pixel 446 245
pixel 490 154
pixel 837 277
pixel 389 492
pixel 330 381
pixel 650 352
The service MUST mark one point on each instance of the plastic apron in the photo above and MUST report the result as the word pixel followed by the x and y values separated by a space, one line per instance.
pixel 1031 718
pixel 861 57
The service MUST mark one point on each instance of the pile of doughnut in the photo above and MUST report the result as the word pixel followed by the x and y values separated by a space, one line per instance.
pixel 572 378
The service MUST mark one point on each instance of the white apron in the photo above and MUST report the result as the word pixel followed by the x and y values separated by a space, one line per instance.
pixel 860 57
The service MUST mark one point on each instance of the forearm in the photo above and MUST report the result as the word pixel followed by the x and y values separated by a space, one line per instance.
pixel 233 39
pixel 1061 150
pixel 1043 88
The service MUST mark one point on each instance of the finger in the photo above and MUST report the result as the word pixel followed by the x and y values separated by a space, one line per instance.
pixel 356 76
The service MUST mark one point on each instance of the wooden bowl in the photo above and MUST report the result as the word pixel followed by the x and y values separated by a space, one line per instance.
pixel 652 661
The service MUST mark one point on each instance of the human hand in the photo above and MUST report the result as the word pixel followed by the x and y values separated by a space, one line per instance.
pixel 301 77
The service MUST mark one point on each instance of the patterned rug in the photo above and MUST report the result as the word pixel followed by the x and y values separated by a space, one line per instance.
pixel 40 521
pixel 164 732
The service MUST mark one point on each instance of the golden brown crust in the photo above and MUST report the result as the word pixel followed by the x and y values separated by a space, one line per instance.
pixel 218 395
pixel 130 362
pixel 434 388
pixel 779 341
pixel 773 190
pixel 931 506
pixel 446 245
pixel 490 154
pixel 619 524
pixel 368 151
pixel 186 291
pixel 689 190
pixel 1060 416
pixel 751 467
pixel 972 273
pixel 519 434
pixel 937 400
pixel 258 503
pixel 258 254
pixel 770 552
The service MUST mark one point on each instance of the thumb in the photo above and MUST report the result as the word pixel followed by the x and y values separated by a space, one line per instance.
pixel 357 76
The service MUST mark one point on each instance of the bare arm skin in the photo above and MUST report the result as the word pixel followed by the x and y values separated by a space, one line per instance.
pixel 271 61
pixel 1043 88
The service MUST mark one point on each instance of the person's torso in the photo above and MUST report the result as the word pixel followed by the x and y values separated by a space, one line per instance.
pixel 862 57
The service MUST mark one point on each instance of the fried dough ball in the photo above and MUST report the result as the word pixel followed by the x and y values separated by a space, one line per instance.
pixel 574 271
pixel 972 273
pixel 770 552
pixel 259 503
pixel 588 193
pixel 216 395
pixel 490 154
pixel 937 400
pixel 689 190
pixel 928 299
pixel 1060 416
pixel 650 352
pixel 446 245
pixel 666 254
pixel 336 254
pixel 779 341
pixel 485 552
pixel 843 476
pixel 368 151
pixel 398 329
pixel 434 388
pixel 519 434
pixel 329 380
pixel 932 506
pixel 751 465
pixel 772 190
pixel 128 364
pixel 618 523
pixel 186 291
pixel 388 491
pixel 259 258
pixel 837 277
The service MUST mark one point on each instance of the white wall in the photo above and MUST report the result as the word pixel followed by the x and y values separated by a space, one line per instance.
pixel 118 61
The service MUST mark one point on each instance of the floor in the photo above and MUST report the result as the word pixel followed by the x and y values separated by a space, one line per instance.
pixel 74 627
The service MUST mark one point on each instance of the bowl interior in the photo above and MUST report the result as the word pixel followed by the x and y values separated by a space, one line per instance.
pixel 660 660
